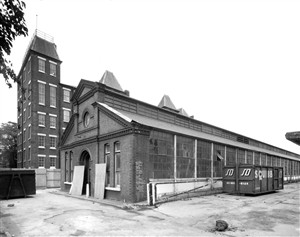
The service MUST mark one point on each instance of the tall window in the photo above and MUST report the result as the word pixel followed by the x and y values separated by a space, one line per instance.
pixel 66 95
pixel 230 156
pixel 29 131
pixel 52 161
pixel 241 156
pixel 24 115
pixel 42 62
pixel 71 166
pixel 52 96
pixel 52 121
pixel 161 155
pixel 52 142
pixel 29 110
pixel 66 167
pixel 41 161
pixel 41 93
pixel 203 159
pixel 185 163
pixel 107 161
pixel 42 119
pixel 218 160
pixel 29 90
pixel 41 140
pixel 53 69
pixel 117 164
pixel 29 153
pixel 66 115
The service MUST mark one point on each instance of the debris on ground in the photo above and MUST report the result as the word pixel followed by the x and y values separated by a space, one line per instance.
pixel 221 225
pixel 10 205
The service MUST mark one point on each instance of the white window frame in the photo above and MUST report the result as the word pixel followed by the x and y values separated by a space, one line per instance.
pixel 69 110
pixel 53 86
pixel 53 64
pixel 69 90
pixel 51 157
pixel 44 156
pixel 115 162
pixel 29 109
pixel 55 137
pixel 53 116
pixel 44 96
pixel 29 131
pixel 40 59
pixel 42 135
pixel 24 114
pixel 41 113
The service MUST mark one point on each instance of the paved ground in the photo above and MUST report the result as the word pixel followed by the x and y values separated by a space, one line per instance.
pixel 49 213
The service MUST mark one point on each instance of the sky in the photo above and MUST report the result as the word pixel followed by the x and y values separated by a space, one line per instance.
pixel 232 64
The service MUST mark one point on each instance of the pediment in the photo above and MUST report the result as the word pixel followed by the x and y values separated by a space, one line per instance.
pixel 83 88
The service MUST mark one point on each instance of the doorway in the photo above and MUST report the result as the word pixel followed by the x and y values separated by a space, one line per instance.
pixel 85 161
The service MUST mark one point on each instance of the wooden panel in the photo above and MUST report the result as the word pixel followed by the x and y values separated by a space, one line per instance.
pixel 76 188
pixel 100 173
pixel 40 178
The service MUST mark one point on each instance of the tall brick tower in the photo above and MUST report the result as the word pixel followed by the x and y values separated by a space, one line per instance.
pixel 44 107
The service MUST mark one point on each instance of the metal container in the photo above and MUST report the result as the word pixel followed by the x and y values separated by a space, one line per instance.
pixel 252 179
pixel 17 183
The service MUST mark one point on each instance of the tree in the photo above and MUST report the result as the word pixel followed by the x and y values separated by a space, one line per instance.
pixel 8 142
pixel 12 24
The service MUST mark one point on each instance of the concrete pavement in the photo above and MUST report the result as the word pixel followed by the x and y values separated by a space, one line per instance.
pixel 49 213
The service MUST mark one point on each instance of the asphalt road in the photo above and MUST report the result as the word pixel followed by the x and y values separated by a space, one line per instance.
pixel 52 213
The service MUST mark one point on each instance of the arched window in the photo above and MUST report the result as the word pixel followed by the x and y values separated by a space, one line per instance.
pixel 107 161
pixel 66 167
pixel 86 119
pixel 117 159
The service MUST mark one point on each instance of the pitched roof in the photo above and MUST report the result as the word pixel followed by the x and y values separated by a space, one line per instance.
pixel 154 123
pixel 166 103
pixel 183 112
pixel 110 80
pixel 44 47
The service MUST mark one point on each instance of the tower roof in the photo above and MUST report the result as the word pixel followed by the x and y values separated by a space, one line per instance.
pixel 43 44
pixel 166 103
pixel 183 112
pixel 110 80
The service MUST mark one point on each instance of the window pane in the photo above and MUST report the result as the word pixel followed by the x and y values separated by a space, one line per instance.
pixel 203 159
pixel 52 69
pixel 52 122
pixel 107 161
pixel 41 141
pixel 52 96
pixel 185 163
pixel 218 159
pixel 42 118
pixel 41 93
pixel 66 116
pixel 161 155
pixel 41 65
pixel 41 161
pixel 66 96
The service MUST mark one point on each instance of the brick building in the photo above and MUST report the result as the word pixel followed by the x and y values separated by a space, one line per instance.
pixel 141 143
pixel 44 106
